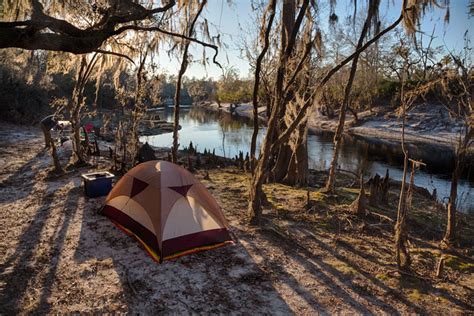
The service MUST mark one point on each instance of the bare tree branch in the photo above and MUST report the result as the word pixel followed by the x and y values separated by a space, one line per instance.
pixel 115 54
pixel 266 44
pixel 158 29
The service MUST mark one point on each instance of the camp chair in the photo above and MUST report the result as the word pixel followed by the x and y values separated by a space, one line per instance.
pixel 89 141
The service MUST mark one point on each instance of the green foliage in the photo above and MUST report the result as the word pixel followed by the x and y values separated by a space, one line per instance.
pixel 232 89
pixel 388 88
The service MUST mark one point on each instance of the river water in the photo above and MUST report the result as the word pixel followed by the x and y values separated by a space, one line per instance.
pixel 227 135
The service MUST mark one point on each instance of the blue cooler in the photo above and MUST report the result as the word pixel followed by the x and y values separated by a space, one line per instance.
pixel 97 183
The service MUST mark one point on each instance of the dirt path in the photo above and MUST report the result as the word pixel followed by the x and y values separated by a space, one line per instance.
pixel 58 255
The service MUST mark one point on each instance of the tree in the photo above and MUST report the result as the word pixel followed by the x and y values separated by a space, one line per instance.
pixel 265 30
pixel 290 29
pixel 231 88
pixel 270 142
pixel 457 86
pixel 182 70
pixel 372 18
pixel 289 163
pixel 401 236
pixel 34 26
pixel 201 89
pixel 77 103
pixel 451 82
pixel 101 26
pixel 139 107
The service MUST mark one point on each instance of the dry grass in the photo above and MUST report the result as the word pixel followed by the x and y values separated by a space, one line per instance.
pixel 359 253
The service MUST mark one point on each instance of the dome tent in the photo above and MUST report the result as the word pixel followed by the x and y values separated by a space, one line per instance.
pixel 167 210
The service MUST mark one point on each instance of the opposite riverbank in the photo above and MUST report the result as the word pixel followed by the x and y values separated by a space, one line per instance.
pixel 426 124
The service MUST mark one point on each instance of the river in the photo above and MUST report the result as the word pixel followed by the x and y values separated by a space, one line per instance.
pixel 227 135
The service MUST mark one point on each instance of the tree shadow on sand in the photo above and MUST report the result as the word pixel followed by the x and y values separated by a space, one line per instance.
pixel 56 243
pixel 302 252
pixel 217 281
pixel 9 187
pixel 24 265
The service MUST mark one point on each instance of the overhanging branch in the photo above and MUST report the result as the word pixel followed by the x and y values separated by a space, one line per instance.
pixel 182 36
pixel 106 52
pixel 66 37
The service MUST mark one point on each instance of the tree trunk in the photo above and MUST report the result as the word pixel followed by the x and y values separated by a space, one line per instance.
pixel 182 70
pixel 283 152
pixel 359 206
pixel 330 184
pixel 400 229
pixel 77 103
pixel 281 164
pixel 291 166
pixel 260 172
pixel 138 111
pixel 451 231
pixel 174 149
pixel 297 170
pixel 450 236
pixel 411 185
pixel 76 125
pixel 290 160
pixel 255 198
pixel 258 66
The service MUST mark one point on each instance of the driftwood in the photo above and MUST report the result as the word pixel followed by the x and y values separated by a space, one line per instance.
pixel 379 189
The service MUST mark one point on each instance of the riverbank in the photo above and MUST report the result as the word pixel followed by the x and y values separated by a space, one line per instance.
pixel 58 256
pixel 229 134
pixel 427 125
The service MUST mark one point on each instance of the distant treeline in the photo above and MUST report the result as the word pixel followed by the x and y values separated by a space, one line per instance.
pixel 30 84
pixel 31 81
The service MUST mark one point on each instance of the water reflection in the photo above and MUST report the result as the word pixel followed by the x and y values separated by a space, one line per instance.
pixel 227 135
pixel 221 132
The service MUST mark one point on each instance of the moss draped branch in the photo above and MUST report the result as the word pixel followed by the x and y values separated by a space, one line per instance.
pixel 44 32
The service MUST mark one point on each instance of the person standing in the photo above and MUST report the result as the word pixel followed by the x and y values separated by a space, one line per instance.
pixel 47 124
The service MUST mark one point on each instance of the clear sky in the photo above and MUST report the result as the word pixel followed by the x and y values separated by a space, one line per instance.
pixel 234 20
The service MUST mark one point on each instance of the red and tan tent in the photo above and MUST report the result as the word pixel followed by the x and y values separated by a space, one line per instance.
pixel 167 210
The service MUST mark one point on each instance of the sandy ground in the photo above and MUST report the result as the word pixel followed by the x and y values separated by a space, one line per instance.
pixel 58 256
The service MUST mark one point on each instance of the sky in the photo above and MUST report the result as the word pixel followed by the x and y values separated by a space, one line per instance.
pixel 236 19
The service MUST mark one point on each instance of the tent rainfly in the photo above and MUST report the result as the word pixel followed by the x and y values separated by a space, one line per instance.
pixel 167 210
